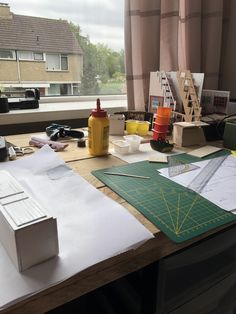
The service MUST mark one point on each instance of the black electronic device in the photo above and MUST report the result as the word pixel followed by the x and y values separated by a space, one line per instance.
pixel 3 149
pixel 4 106
pixel 56 131
pixel 30 100
pixel 24 104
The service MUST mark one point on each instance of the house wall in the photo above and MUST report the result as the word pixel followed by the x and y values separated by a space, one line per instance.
pixel 8 71
pixel 36 71
pixel 5 11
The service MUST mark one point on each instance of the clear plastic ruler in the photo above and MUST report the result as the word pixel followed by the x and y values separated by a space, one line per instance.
pixel 177 167
pixel 198 183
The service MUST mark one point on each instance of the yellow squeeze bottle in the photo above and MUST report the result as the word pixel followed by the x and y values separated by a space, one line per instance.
pixel 98 131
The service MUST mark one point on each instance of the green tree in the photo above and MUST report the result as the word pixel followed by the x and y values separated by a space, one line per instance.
pixel 89 84
pixel 109 61
pixel 100 64
pixel 122 61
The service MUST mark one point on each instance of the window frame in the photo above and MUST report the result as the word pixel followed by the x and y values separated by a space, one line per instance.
pixel 31 54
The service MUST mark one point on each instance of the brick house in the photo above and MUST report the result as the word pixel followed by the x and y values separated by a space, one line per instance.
pixel 38 53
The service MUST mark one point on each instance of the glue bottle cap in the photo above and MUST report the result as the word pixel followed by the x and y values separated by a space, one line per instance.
pixel 98 112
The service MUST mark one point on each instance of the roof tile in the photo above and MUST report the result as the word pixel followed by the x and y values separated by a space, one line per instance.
pixel 37 34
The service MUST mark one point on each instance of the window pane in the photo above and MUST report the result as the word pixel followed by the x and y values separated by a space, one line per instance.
pixel 64 62
pixel 38 56
pixel 54 89
pixel 53 61
pixel 25 55
pixel 7 54
pixel 75 89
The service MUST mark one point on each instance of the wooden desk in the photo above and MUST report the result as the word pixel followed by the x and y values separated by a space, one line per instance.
pixel 108 270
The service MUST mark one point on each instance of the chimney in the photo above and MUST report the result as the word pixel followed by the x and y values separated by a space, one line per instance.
pixel 5 12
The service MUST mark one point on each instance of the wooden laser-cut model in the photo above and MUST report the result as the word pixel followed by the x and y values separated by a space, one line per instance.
pixel 187 91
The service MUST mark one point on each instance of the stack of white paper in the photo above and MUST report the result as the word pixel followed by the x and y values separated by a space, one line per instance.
pixel 91 226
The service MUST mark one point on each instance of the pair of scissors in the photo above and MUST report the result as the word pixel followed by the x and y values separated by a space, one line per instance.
pixel 21 151
pixel 14 151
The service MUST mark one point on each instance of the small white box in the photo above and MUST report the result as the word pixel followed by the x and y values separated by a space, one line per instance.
pixel 121 147
pixel 134 141
pixel 27 233
pixel 117 124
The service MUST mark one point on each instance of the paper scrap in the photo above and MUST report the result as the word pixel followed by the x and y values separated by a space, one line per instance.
pixel 204 151
pixel 158 158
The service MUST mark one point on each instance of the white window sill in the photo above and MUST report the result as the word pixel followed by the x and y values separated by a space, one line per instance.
pixel 64 108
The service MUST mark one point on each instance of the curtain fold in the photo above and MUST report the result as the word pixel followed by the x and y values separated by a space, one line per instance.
pixel 171 35
pixel 142 37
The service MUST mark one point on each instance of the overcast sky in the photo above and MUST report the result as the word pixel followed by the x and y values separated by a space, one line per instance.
pixel 101 20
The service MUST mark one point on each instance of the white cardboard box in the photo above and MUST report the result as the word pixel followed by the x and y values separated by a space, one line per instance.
pixel 188 133
pixel 28 234
pixel 116 124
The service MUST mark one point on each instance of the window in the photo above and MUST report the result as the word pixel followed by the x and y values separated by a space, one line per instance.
pixel 25 55
pixel 38 56
pixel 75 89
pixel 64 62
pixel 7 54
pixel 56 62
pixel 30 55
pixel 84 57
pixel 54 89
pixel 53 62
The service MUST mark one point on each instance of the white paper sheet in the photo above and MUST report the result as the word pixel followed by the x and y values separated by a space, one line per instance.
pixel 220 189
pixel 145 152
pixel 91 226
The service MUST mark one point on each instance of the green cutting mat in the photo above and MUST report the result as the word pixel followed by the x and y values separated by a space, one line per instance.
pixel 179 212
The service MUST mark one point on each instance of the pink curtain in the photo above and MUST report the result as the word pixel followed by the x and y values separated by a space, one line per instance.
pixel 173 35
pixel 142 48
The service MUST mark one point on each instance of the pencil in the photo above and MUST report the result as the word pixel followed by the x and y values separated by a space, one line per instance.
pixel 126 175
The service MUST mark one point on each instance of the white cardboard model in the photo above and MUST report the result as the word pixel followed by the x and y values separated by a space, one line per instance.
pixel 28 233
pixel 116 124
pixel 189 133
pixel 160 91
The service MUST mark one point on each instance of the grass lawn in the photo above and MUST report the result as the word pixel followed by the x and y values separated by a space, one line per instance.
pixel 112 88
